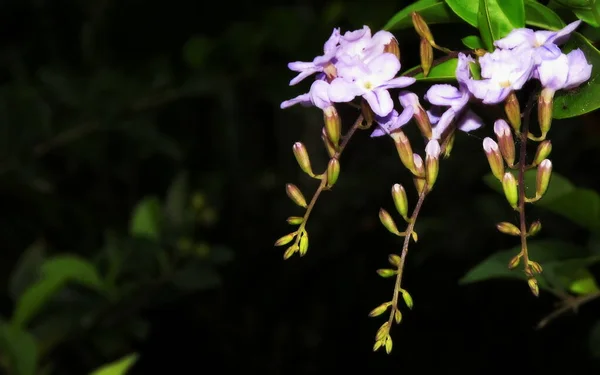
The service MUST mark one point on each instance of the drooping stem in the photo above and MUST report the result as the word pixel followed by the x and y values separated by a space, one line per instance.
pixel 521 182
pixel 323 184
pixel 408 236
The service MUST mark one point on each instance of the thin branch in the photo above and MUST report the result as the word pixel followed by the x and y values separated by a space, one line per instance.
pixel 571 303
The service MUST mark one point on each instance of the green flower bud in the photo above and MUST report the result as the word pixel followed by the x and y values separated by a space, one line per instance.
pixel 426 54
pixel 400 200
pixel 508 228
pixel 543 151
pixel 295 195
pixel 388 222
pixel 513 111
pixel 302 158
pixel 509 185
pixel 544 172
pixel 333 171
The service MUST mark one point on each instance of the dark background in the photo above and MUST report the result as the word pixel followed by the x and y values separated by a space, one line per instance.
pixel 105 102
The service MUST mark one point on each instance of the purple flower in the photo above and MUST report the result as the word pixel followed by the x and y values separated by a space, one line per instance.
pixel 543 43
pixel 502 71
pixel 371 81
pixel 393 121
pixel 565 72
pixel 456 99
pixel 320 62
pixel 317 96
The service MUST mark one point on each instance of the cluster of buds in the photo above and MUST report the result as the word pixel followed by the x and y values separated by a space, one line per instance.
pixel 331 138
pixel 501 157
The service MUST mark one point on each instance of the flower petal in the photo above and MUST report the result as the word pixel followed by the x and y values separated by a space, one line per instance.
pixel 380 101
pixel 516 38
pixel 579 69
pixel 469 121
pixel 398 83
pixel 384 67
pixel 342 91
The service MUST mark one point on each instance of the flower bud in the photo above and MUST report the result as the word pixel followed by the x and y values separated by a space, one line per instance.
pixel 422 120
pixel 426 54
pixel 379 309
pixel 303 244
pixel 432 162
pixel 543 151
pixel 397 317
pixel 421 28
pixel 545 103
pixel 479 52
pixel 506 142
pixel 449 144
pixel 419 178
pixel 290 251
pixel 535 228
pixel 333 125
pixel 514 262
pixel 407 299
pixel 494 157
pixel 544 172
pixel 388 344
pixel 333 171
pixel 394 259
pixel 508 228
pixel 404 150
pixel 383 331
pixel 393 48
pixel 388 222
pixel 330 72
pixel 295 220
pixel 533 285
pixel 513 111
pixel 285 239
pixel 535 267
pixel 367 113
pixel 386 272
pixel 302 158
pixel 400 200
pixel 295 195
pixel 509 185
pixel 328 145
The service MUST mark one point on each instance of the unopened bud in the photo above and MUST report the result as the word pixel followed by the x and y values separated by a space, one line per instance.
pixel 388 222
pixel 449 144
pixel 328 145
pixel 508 228
pixel 509 185
pixel 421 27
pixel 394 259
pixel 285 239
pixel 407 299
pixel 302 158
pixel 492 152
pixel 533 285
pixel 419 178
pixel 404 150
pixel 513 111
pixel 506 142
pixel 535 267
pixel 380 309
pixel 386 272
pixel 422 120
pixel 333 171
pixel 303 244
pixel 426 54
pixel 514 262
pixel 290 251
pixel 393 48
pixel 400 200
pixel 295 220
pixel 330 72
pixel 479 52
pixel 544 172
pixel 432 162
pixel 333 125
pixel 367 112
pixel 295 195
pixel 545 103
pixel 543 151
pixel 535 228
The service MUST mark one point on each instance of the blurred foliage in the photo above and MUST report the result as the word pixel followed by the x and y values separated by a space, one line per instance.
pixel 143 156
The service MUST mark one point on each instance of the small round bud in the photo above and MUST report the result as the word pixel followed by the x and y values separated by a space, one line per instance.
pixel 303 244
pixel 508 228
pixel 544 172
pixel 295 220
pixel 333 171
pixel 533 285
pixel 543 151
pixel 400 200
pixel 514 262
pixel 380 309
pixel 285 239
pixel 295 195
pixel 535 228
pixel 509 185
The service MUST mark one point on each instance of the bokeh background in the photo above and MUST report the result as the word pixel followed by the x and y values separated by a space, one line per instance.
pixel 144 139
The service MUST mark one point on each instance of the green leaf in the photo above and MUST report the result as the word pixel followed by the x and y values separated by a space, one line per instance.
pixel 56 272
pixel 445 71
pixel 581 206
pixel 145 221
pixel 549 254
pixel 465 9
pixel 541 16
pixel 496 19
pixel 119 367
pixel 177 200
pixel 432 11
pixel 583 282
pixel 20 347
pixel 27 269
pixel 473 42
pixel 586 98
